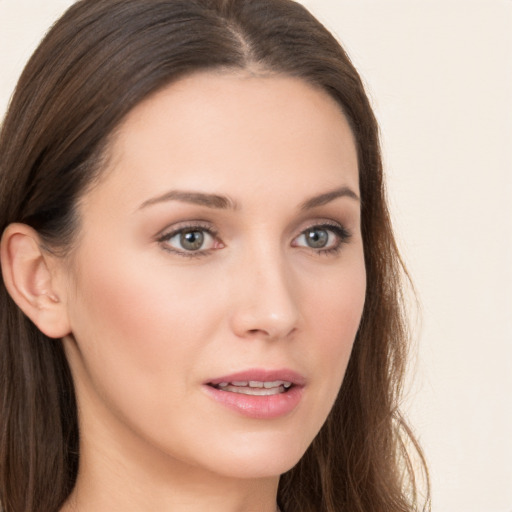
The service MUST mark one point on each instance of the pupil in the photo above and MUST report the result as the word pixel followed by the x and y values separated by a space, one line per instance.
pixel 317 238
pixel 192 240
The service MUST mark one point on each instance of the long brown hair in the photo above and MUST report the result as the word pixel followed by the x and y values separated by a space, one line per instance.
pixel 97 62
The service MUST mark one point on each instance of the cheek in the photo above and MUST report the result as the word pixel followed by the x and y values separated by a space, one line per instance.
pixel 334 310
pixel 134 324
pixel 332 304
pixel 140 338
pixel 333 313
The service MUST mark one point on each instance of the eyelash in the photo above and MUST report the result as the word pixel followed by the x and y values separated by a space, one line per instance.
pixel 168 235
pixel 342 234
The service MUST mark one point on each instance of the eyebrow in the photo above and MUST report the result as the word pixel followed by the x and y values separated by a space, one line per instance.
pixel 223 202
pixel 200 198
pixel 327 197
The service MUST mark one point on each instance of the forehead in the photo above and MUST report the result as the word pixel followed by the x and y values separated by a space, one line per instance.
pixel 231 131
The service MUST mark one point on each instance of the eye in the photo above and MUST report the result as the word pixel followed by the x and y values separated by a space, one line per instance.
pixel 190 240
pixel 323 238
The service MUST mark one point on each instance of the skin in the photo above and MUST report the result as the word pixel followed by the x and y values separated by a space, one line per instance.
pixel 149 324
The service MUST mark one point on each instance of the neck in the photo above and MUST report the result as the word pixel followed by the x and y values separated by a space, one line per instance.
pixel 91 499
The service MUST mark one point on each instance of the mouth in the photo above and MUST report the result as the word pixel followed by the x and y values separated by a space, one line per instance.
pixel 261 394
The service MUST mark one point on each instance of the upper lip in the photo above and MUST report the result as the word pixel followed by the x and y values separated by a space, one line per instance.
pixel 261 375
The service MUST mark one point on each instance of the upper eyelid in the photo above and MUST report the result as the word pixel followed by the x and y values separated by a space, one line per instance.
pixel 184 226
pixel 322 223
pixel 326 224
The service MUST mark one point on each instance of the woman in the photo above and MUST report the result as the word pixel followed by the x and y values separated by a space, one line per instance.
pixel 200 302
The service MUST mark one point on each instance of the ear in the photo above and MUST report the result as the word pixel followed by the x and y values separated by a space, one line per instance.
pixel 30 275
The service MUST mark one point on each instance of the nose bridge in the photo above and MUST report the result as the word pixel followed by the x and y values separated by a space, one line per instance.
pixel 264 302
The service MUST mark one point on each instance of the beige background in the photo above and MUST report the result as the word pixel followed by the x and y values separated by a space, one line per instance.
pixel 440 76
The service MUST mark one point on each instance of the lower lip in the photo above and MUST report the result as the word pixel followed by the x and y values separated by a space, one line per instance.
pixel 259 407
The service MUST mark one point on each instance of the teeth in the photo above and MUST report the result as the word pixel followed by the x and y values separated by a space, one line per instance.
pixel 254 391
pixel 276 384
pixel 256 387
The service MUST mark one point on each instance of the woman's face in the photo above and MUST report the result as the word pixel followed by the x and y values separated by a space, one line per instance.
pixel 218 279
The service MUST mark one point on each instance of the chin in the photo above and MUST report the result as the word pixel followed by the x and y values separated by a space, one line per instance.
pixel 257 456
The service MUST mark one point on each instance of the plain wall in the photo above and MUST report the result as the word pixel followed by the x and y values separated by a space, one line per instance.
pixel 439 73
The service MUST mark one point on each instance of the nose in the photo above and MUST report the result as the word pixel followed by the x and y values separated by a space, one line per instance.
pixel 264 302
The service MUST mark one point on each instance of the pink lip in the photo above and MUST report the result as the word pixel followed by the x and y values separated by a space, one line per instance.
pixel 259 407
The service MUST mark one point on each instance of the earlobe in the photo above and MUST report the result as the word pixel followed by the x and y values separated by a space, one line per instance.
pixel 28 275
